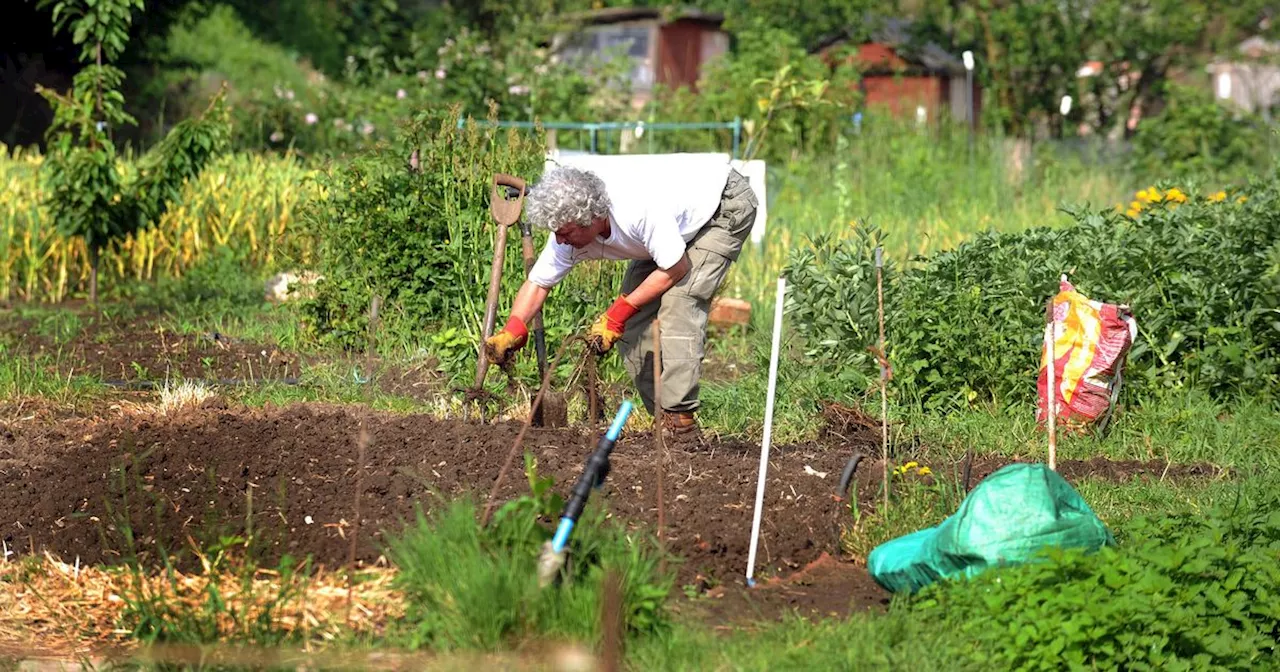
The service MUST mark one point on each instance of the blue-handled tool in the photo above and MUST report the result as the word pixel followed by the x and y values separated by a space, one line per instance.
pixel 593 474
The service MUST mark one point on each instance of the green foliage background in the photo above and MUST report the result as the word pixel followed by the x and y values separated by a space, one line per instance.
pixel 1203 280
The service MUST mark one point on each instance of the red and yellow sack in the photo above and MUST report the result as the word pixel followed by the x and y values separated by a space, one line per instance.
pixel 1091 341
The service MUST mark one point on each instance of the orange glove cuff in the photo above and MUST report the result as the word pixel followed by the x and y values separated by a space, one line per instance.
pixel 516 327
pixel 619 313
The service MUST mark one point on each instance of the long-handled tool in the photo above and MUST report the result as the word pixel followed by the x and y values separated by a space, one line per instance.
pixel 593 475
pixel 505 213
pixel 535 325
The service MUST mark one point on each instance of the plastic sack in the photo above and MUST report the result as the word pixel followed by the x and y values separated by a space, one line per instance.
pixel 1006 520
pixel 1091 341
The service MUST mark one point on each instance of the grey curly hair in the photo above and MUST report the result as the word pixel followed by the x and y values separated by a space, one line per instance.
pixel 566 196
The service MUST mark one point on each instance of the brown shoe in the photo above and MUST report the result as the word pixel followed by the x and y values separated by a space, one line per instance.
pixel 680 428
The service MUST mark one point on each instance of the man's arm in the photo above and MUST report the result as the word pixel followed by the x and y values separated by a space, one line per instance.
pixel 658 283
pixel 528 301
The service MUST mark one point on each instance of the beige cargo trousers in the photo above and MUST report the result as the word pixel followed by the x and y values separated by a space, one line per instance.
pixel 683 309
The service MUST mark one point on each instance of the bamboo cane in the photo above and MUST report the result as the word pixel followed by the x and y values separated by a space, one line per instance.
pixel 884 373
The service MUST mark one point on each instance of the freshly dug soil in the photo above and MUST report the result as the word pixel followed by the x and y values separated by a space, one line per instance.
pixel 67 487
pixel 70 486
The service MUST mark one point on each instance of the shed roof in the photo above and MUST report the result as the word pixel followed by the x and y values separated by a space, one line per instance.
pixel 665 14
pixel 924 57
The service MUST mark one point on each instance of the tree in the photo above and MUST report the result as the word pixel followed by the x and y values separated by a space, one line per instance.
pixel 1029 51
pixel 88 197
pixel 1154 38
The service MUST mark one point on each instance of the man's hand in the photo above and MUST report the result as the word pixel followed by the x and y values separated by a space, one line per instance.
pixel 608 328
pixel 502 346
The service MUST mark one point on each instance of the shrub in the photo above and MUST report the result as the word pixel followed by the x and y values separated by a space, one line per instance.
pixel 1187 591
pixel 1202 276
pixel 423 239
pixel 1197 135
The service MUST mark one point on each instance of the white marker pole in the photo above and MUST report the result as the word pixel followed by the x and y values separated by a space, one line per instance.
pixel 768 429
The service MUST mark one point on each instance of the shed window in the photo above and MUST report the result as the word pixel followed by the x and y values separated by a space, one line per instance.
pixel 606 42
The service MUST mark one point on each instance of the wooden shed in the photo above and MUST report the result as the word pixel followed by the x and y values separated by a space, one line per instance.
pixel 666 46
pixel 900 75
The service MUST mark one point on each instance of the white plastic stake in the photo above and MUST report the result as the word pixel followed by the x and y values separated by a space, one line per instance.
pixel 768 429
pixel 1051 388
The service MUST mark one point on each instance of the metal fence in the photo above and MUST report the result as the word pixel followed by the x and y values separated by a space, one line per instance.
pixel 596 130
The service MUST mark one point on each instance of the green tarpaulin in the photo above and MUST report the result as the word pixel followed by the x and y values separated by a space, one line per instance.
pixel 1006 520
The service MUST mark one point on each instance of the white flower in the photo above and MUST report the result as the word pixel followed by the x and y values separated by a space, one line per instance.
pixel 366 129
pixel 422 75
pixel 483 48
pixel 541 69
pixel 277 136
pixel 311 118
pixel 401 94
pixel 440 73
pixel 288 94
pixel 338 123
pixel 279 93
pixel 518 90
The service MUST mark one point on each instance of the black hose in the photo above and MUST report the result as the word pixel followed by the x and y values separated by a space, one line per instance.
pixel 846 477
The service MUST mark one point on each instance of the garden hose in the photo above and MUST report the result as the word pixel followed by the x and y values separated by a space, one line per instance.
pixel 593 476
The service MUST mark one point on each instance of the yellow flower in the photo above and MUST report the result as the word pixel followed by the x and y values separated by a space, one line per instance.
pixel 911 465
pixel 1218 197
pixel 1242 199
pixel 1132 213
pixel 1149 195
pixel 1175 194
pixel 924 471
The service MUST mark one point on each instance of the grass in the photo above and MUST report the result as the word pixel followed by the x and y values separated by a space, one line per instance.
pixel 1181 427
pixel 894 641
pixel 23 377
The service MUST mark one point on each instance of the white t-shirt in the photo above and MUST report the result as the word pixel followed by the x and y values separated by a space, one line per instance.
pixel 659 205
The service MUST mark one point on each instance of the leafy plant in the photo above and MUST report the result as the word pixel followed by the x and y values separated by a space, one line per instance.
pixel 1197 135
pixel 1199 273
pixel 1184 591
pixel 473 587
pixel 88 197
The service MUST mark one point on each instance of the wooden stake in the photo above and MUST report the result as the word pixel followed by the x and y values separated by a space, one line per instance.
pixel 611 623
pixel 362 445
pixel 659 444
pixel 884 375
pixel 1051 388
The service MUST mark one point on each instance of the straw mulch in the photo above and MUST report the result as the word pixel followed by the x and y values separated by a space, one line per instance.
pixel 49 607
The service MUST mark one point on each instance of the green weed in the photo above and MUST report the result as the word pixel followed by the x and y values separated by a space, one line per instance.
pixel 473 587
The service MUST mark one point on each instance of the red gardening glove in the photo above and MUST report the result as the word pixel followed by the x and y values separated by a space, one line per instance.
pixel 608 328
pixel 500 347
